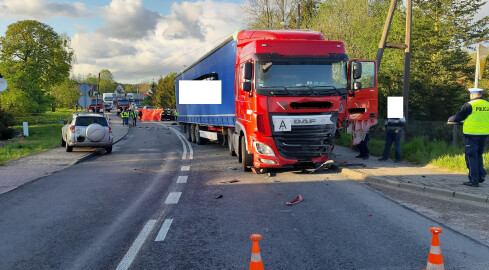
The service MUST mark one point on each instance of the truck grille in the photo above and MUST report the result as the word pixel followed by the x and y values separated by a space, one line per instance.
pixel 306 142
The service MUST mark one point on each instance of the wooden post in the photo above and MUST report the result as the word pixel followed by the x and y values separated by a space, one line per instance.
pixel 383 39
pixel 407 58
pixel 299 15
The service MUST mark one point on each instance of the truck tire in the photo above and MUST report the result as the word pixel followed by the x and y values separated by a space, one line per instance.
pixel 247 159
pixel 199 140
pixel 230 144
pixel 188 132
pixel 192 132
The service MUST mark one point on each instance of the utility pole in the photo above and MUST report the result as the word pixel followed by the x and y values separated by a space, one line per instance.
pixel 299 15
pixel 98 93
pixel 383 39
pixel 407 58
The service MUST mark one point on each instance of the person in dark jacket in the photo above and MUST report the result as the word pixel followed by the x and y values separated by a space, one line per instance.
pixel 363 147
pixel 393 133
pixel 475 115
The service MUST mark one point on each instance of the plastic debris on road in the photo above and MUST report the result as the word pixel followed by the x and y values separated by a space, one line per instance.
pixel 298 199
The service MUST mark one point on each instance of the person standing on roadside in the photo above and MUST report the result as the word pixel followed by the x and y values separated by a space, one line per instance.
pixel 363 147
pixel 134 116
pixel 475 117
pixel 393 133
pixel 140 114
pixel 125 117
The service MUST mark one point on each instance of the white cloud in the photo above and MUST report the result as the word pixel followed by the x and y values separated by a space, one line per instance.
pixel 41 9
pixel 128 19
pixel 198 25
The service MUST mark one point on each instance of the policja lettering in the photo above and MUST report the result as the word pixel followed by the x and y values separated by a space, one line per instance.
pixel 481 109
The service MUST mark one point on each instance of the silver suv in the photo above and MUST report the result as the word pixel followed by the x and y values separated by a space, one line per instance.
pixel 87 130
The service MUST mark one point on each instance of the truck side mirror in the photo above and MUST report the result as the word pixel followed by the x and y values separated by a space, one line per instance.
pixel 246 86
pixel 248 71
pixel 357 70
pixel 357 85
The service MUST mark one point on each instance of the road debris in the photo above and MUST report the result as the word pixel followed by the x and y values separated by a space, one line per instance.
pixel 230 181
pixel 298 199
pixel 219 197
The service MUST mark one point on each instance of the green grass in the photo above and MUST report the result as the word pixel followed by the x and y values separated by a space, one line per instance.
pixel 44 135
pixel 420 151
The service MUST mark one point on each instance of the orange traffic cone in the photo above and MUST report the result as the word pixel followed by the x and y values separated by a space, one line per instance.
pixel 256 263
pixel 435 259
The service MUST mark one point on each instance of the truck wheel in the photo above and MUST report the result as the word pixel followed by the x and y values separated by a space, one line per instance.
pixel 247 159
pixel 63 143
pixel 199 140
pixel 188 132
pixel 192 132
pixel 230 144
pixel 68 148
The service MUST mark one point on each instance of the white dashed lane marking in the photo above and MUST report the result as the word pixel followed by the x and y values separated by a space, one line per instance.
pixel 182 179
pixel 136 246
pixel 173 198
pixel 185 168
pixel 164 230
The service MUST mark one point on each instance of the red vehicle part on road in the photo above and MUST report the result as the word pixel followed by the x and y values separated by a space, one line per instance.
pixel 285 93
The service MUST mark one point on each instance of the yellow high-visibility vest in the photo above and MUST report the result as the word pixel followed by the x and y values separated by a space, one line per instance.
pixel 477 123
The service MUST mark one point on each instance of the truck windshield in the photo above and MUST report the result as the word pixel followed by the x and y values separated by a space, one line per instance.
pixel 123 102
pixel 108 98
pixel 304 76
pixel 94 101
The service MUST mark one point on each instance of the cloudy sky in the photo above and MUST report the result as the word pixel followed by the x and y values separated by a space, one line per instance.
pixel 137 40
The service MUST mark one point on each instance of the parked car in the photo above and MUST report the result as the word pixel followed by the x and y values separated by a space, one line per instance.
pixel 136 106
pixel 87 130
pixel 148 107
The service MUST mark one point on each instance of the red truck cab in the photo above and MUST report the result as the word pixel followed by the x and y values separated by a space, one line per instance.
pixel 294 89
pixel 96 105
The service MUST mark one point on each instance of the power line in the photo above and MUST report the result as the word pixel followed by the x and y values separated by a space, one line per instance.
pixel 168 58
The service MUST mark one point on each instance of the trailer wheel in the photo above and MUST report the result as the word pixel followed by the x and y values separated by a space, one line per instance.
pixel 192 132
pixel 247 159
pixel 188 132
pixel 230 144
pixel 199 140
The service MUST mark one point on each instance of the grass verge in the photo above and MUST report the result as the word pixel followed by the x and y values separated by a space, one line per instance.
pixel 420 151
pixel 44 135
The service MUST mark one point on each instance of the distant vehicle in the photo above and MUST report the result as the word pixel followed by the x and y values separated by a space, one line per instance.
pixel 108 98
pixel 121 104
pixel 87 130
pixel 148 107
pixel 96 105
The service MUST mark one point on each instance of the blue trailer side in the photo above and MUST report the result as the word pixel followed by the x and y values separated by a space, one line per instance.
pixel 218 64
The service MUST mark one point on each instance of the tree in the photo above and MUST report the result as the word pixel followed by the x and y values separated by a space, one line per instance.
pixel 107 81
pixel 66 94
pixel 164 94
pixel 33 51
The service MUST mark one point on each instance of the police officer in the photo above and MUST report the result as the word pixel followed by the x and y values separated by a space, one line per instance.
pixel 475 115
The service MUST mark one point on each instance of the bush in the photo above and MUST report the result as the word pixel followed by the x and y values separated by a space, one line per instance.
pixel 6 121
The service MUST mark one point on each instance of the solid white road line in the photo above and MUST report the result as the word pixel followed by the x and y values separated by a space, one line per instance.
pixel 184 145
pixel 189 146
pixel 173 198
pixel 136 246
pixel 185 168
pixel 182 179
pixel 164 230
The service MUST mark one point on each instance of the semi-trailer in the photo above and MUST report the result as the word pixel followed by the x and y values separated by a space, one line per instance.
pixel 284 96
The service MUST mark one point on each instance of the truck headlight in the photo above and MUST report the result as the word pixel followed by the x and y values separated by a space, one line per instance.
pixel 264 149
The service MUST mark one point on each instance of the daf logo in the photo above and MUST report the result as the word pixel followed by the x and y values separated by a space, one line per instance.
pixel 304 121
pixel 283 105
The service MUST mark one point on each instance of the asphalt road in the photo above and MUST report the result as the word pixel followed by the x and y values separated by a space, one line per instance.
pixel 125 210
